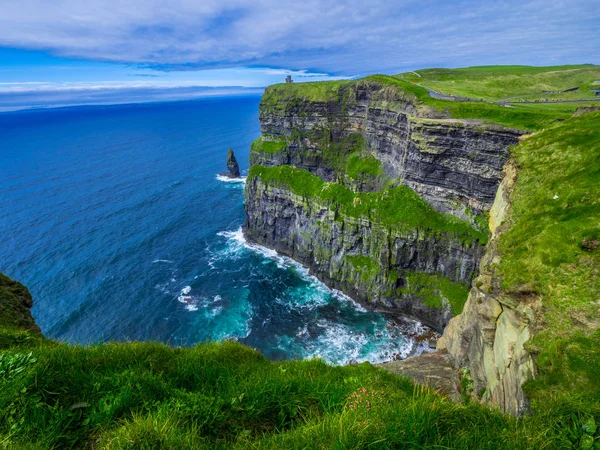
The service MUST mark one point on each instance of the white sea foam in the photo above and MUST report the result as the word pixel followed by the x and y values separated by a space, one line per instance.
pixel 337 343
pixel 226 179
pixel 186 290
pixel 343 297
pixel 211 313
pixel 162 261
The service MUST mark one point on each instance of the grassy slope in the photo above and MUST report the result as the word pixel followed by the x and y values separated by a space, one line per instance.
pixel 553 248
pixel 223 396
pixel 498 82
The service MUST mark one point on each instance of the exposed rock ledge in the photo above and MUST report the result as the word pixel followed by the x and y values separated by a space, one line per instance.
pixel 488 338
pixel 15 304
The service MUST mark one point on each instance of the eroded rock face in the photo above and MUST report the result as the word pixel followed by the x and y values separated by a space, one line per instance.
pixel 323 240
pixel 453 164
pixel 488 338
pixel 15 304
pixel 486 342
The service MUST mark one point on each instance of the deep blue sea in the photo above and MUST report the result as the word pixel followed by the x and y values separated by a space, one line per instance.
pixel 115 219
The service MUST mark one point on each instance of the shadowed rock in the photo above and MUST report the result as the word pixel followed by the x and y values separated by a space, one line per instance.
pixel 15 302
pixel 232 166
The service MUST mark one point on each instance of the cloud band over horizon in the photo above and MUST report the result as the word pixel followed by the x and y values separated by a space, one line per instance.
pixel 344 38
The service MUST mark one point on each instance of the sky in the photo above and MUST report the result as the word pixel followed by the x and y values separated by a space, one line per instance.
pixel 64 52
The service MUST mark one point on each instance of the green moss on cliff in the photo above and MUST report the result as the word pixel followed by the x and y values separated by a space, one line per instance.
pixel 268 144
pixel 436 290
pixel 15 301
pixel 366 267
pixel 552 249
pixel 398 207
pixel 360 166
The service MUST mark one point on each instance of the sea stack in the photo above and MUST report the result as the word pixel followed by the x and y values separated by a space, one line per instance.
pixel 232 166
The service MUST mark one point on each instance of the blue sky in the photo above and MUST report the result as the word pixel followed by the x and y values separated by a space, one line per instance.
pixel 100 51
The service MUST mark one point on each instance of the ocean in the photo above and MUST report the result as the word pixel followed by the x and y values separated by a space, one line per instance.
pixel 117 221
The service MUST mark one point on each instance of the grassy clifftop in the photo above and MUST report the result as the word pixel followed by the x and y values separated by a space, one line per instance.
pixel 480 83
pixel 520 82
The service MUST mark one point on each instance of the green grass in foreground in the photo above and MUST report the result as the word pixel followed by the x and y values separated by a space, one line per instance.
pixel 227 396
pixel 398 207
pixel 498 82
pixel 552 248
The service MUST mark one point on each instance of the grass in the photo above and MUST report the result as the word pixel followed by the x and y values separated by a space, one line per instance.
pixel 366 267
pixel 359 166
pixel 437 291
pixel 498 82
pixel 397 207
pixel 318 91
pixel 342 93
pixel 552 248
pixel 525 117
pixel 268 144
pixel 227 396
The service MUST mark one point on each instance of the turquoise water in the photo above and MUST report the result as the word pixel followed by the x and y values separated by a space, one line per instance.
pixel 116 220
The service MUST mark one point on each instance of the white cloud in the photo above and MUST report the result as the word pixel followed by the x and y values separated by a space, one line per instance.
pixel 323 35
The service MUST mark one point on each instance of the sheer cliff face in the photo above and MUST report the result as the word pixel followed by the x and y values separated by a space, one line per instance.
pixel 329 242
pixel 454 165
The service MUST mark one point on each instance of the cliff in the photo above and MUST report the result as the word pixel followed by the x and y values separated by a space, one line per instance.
pixel 529 331
pixel 15 304
pixel 388 198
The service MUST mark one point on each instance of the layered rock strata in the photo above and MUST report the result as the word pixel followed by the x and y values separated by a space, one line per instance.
pixel 455 165
pixel 485 344
pixel 363 258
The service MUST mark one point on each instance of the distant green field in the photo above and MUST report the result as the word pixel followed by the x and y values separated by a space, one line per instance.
pixel 500 82
pixel 531 116
pixel 528 116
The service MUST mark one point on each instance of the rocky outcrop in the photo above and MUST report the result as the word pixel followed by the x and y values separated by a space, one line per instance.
pixel 485 344
pixel 15 304
pixel 232 166
pixel 488 338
